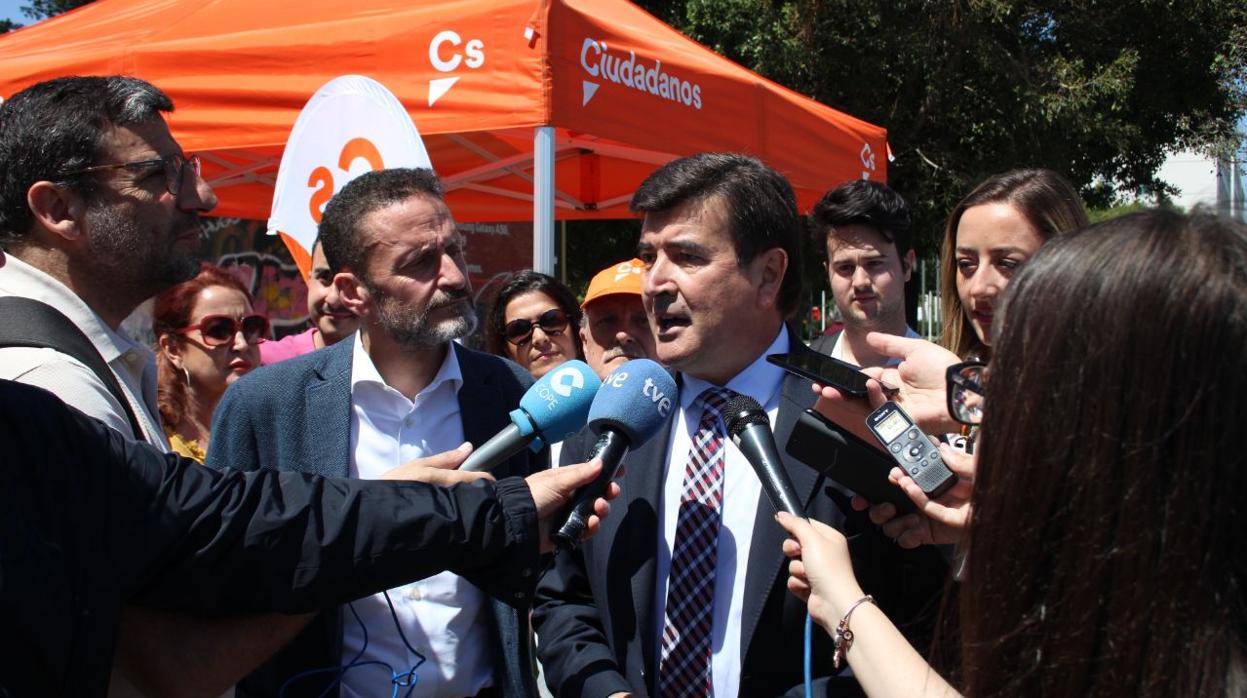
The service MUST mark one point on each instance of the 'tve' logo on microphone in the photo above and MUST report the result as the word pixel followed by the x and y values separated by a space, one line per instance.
pixel 649 389
pixel 652 391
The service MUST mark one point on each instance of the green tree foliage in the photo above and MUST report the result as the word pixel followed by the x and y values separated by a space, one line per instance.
pixel 42 9
pixel 1098 90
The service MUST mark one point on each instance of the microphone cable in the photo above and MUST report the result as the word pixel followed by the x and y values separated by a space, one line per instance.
pixel 809 640
pixel 407 679
pixel 809 620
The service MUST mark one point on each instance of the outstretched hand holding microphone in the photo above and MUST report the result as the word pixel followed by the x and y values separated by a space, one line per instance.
pixel 630 407
pixel 552 409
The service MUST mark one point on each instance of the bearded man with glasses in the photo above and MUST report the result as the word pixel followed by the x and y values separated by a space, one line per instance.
pixel 99 211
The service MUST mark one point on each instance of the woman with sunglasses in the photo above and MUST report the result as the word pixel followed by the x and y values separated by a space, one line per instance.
pixel 207 336
pixel 1103 558
pixel 533 322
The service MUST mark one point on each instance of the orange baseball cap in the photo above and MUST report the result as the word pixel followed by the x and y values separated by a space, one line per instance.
pixel 622 278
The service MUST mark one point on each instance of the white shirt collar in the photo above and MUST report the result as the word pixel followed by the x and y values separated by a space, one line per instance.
pixel 759 379
pixel 364 371
pixel 18 278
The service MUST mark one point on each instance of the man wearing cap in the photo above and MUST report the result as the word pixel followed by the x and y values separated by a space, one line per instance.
pixel 614 327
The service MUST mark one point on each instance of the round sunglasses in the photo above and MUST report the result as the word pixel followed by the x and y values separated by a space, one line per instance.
pixel 553 322
pixel 218 330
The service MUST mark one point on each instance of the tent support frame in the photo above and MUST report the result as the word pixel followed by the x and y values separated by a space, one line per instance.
pixel 543 199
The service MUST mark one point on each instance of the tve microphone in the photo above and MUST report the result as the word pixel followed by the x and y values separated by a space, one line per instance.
pixel 554 408
pixel 750 430
pixel 632 405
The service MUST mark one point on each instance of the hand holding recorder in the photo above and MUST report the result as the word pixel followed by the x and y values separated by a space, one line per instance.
pixel 943 520
pixel 919 378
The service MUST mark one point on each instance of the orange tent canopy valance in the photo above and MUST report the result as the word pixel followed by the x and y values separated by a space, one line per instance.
pixel 615 92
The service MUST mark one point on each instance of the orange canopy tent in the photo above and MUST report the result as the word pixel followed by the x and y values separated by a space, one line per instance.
pixel 512 97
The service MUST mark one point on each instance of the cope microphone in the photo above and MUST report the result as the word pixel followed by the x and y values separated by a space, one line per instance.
pixel 632 405
pixel 750 430
pixel 554 408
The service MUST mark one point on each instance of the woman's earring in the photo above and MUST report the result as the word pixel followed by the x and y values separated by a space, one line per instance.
pixel 188 376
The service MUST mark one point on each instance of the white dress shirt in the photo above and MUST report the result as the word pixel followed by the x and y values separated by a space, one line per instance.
pixel 133 363
pixel 444 617
pixel 837 350
pixel 741 491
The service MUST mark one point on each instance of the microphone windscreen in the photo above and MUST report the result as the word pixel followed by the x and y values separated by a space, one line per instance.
pixel 636 399
pixel 742 411
pixel 558 403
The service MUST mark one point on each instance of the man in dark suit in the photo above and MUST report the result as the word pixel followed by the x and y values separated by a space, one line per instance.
pixel 683 591
pixel 864 228
pixel 399 389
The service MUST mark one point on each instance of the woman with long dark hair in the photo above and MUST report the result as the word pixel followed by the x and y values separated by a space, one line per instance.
pixel 1103 554
pixel 207 337
pixel 533 322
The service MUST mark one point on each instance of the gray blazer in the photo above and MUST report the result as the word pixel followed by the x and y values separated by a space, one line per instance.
pixel 296 415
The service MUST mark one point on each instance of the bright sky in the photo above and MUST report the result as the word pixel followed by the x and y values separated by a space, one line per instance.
pixel 12 9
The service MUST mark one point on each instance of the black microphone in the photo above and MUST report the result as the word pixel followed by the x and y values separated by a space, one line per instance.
pixel 750 430
pixel 631 406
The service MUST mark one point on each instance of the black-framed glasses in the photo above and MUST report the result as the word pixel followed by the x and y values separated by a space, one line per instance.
pixel 174 168
pixel 553 322
pixel 218 330
pixel 966 393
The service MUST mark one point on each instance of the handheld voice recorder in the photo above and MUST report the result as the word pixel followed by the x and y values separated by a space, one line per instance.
pixel 910 448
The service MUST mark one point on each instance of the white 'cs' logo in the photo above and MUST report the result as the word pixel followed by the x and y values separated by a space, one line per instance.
pixel 867 157
pixel 473 57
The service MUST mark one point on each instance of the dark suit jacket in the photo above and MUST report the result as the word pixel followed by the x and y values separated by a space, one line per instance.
pixel 594 611
pixel 296 415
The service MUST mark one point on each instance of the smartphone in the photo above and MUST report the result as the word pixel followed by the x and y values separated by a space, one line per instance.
pixel 824 370
pixel 910 448
pixel 851 462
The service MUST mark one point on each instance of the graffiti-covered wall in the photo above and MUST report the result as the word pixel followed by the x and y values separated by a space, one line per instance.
pixel 262 263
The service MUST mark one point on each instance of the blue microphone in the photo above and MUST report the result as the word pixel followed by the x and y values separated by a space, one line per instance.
pixel 634 402
pixel 554 408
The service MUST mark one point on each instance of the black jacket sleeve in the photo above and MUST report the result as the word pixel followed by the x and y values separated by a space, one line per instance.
pixel 573 647
pixel 167 532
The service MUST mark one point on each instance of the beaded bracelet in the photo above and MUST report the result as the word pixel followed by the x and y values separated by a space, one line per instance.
pixel 842 639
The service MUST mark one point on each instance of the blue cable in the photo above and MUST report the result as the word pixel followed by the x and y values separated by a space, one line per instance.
pixel 407 678
pixel 809 639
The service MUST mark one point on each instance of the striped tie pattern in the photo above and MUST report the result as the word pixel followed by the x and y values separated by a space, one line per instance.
pixel 684 669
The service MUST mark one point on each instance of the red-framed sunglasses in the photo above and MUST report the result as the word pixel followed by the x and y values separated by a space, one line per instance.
pixel 218 330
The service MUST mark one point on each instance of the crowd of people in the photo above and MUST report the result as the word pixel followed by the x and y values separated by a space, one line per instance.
pixel 229 513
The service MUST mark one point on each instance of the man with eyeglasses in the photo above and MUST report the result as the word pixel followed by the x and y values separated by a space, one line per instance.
pixel 99 211
pixel 399 388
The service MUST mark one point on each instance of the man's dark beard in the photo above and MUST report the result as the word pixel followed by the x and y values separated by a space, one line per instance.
pixel 408 325
pixel 135 258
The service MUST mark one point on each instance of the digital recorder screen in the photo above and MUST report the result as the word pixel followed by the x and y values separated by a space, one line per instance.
pixel 892 426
